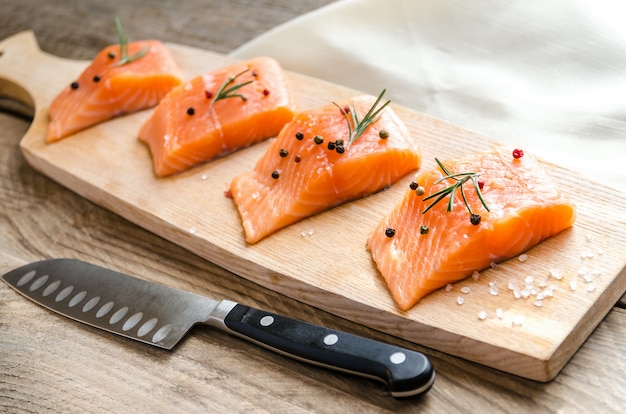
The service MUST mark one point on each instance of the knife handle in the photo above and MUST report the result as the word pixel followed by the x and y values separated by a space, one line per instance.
pixel 405 372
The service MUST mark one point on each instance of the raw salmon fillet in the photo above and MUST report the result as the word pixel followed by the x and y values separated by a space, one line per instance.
pixel 299 175
pixel 106 90
pixel 191 126
pixel 525 207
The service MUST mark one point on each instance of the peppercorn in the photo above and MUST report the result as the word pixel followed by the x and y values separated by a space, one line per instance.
pixel 275 174
pixel 331 146
pixel 423 229
pixel 74 85
pixel 390 232
pixel 111 55
pixel 475 219
pixel 518 153
pixel 208 94
pixel 283 152
pixel 413 185
pixel 340 149
pixel 383 134
pixel 318 140
pixel 299 136
pixel 190 111
pixel 297 158
pixel 266 92
pixel 420 190
pixel 96 78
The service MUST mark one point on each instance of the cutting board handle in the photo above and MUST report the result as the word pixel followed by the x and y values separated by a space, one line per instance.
pixel 29 80
pixel 25 71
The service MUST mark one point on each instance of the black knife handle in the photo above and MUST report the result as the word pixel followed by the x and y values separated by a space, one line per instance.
pixel 405 372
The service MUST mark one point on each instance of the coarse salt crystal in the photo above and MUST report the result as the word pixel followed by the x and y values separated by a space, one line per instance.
pixel 523 257
pixel 573 285
pixel 449 287
pixel 512 285
pixel 499 313
pixel 476 275
pixel 493 265
pixel 193 230
pixel 466 289
pixel 307 233
pixel 591 287
pixel 555 273
pixel 204 177
pixel 493 291
pixel 482 315
pixel 538 303
pixel 517 293
pixel 460 300
pixel 529 280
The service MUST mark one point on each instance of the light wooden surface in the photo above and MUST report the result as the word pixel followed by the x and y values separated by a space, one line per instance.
pixel 49 364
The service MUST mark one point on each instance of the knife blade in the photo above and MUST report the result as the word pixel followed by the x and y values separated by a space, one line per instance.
pixel 161 316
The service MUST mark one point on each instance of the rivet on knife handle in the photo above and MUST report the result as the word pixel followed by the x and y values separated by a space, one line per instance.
pixel 405 372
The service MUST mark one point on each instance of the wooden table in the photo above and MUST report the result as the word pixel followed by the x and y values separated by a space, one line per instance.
pixel 51 364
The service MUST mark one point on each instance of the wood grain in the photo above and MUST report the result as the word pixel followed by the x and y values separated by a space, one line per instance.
pixel 50 364
pixel 108 165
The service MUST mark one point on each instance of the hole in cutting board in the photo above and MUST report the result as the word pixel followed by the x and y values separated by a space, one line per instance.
pixel 15 100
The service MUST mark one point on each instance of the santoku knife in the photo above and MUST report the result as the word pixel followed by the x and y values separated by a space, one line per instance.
pixel 161 316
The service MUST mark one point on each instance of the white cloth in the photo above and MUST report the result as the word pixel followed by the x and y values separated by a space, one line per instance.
pixel 549 76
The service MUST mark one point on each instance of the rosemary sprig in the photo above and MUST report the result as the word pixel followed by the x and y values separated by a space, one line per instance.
pixel 460 179
pixel 123 40
pixel 357 127
pixel 226 91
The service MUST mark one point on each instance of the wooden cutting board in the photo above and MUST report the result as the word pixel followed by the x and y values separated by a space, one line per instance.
pixel 323 261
